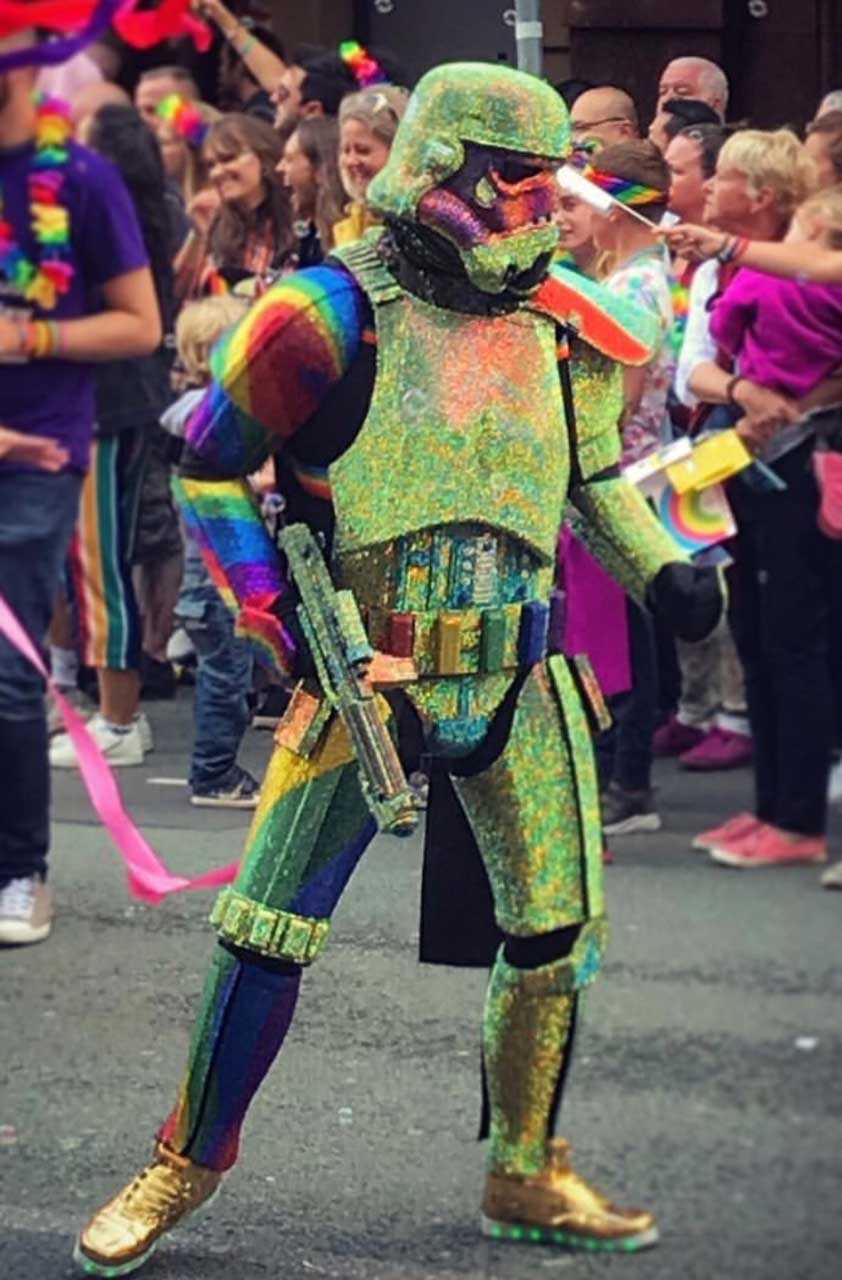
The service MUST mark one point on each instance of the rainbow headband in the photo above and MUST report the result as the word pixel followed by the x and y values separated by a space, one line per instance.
pixel 366 69
pixel 184 117
pixel 630 194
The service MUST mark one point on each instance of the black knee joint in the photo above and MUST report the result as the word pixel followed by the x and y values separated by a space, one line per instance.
pixel 542 948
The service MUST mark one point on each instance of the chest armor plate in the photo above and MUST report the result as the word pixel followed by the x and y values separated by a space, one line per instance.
pixel 466 423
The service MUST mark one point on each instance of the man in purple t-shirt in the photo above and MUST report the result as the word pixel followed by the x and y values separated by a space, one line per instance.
pixel 109 310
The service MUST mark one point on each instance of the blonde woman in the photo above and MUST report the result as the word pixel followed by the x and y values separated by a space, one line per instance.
pixel 368 122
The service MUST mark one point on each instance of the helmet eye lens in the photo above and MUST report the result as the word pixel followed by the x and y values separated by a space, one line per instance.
pixel 512 171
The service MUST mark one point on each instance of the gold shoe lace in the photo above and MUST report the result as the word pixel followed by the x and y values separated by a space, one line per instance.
pixel 157 1192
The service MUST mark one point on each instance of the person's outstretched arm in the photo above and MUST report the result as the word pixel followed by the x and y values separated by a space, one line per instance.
pixel 264 64
pixel 794 261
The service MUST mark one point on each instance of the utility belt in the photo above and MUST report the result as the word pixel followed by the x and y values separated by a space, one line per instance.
pixel 445 642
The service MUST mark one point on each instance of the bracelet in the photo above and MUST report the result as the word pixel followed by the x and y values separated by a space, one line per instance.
pixel 41 339
pixel 246 47
pixel 728 251
pixel 729 390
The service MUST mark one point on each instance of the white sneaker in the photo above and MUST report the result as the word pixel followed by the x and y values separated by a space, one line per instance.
pixel 119 749
pixel 145 730
pixel 25 911
pixel 832 878
pixel 834 785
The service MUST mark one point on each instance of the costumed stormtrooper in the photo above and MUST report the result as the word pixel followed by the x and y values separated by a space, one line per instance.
pixel 434 395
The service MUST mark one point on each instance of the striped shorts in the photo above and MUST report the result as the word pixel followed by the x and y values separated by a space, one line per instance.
pixel 98 562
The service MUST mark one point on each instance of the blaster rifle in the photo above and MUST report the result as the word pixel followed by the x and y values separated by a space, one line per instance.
pixel 334 630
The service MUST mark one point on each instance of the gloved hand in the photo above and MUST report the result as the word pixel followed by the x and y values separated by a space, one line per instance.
pixel 689 598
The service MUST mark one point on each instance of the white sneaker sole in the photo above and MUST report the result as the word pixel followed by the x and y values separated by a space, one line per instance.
pixel 18 934
pixel 114 762
pixel 637 823
pixel 726 858
pixel 218 802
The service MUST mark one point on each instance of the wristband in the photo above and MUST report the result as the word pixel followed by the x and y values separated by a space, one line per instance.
pixel 246 47
pixel 729 390
pixel 41 339
pixel 728 251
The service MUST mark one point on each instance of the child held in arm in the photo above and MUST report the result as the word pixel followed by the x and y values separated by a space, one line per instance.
pixel 223 662
pixel 787 335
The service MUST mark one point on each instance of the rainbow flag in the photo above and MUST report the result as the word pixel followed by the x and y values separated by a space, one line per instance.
pixel 697 519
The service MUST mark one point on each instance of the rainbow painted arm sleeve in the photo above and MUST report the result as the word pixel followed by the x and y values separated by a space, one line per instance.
pixel 242 561
pixel 273 370
pixel 271 373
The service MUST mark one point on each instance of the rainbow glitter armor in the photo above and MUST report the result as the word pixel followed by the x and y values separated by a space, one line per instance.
pixel 415 393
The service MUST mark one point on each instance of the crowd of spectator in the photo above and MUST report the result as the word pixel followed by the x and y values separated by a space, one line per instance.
pixel 231 195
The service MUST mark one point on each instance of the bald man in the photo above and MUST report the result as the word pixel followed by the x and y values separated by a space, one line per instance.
pixel 830 102
pixel 697 78
pixel 607 115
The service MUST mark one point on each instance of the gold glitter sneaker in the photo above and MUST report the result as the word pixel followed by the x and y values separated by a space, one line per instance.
pixel 556 1206
pixel 123 1233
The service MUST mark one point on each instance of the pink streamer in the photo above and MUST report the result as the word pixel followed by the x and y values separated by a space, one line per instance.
pixel 149 879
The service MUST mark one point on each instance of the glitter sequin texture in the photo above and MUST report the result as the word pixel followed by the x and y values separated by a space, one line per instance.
pixel 466 102
pixel 315 318
pixel 526 1028
pixel 453 415
pixel 535 812
pixel 528 1014
pixel 619 529
pixel 449 499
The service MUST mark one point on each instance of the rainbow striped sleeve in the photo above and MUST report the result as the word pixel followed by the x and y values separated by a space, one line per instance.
pixel 242 561
pixel 273 370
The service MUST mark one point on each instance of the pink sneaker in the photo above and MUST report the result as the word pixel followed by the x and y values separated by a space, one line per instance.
pixel 673 738
pixel 768 846
pixel 828 467
pixel 719 749
pixel 734 829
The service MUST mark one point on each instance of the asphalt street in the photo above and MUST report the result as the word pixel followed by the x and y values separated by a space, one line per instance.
pixel 708 1082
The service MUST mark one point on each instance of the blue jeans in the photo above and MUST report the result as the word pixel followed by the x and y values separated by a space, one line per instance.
pixel 37 516
pixel 223 679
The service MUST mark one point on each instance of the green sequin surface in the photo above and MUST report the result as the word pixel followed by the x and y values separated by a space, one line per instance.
pixel 492 106
pixel 535 812
pixel 453 420
pixel 620 530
